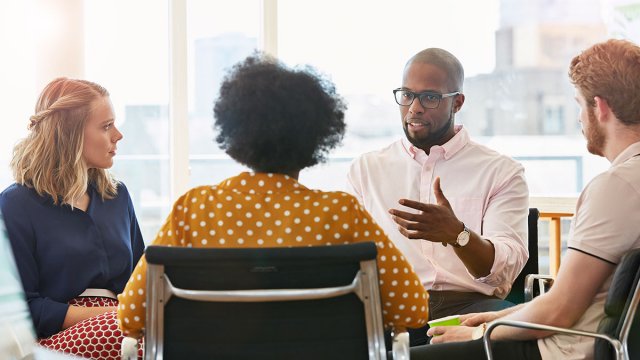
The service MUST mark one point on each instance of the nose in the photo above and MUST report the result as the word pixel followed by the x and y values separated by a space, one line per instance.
pixel 117 135
pixel 416 107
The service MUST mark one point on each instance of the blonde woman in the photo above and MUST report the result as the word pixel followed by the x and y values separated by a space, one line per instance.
pixel 72 226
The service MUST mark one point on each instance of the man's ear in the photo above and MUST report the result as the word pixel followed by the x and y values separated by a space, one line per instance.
pixel 459 100
pixel 602 110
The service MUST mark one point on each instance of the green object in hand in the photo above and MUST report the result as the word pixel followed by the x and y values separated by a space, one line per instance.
pixel 453 320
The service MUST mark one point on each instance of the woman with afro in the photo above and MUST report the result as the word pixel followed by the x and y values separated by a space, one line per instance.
pixel 278 121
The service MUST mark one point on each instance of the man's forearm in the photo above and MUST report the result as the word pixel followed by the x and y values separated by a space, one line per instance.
pixel 477 256
pixel 504 312
pixel 519 313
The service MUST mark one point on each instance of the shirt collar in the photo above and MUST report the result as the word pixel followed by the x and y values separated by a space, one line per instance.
pixel 255 182
pixel 46 199
pixel 631 151
pixel 449 149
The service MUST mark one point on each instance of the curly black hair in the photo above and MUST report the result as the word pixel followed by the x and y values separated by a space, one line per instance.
pixel 272 118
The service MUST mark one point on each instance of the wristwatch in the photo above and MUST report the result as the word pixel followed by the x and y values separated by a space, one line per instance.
pixel 463 237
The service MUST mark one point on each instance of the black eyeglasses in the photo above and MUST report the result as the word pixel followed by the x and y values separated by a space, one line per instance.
pixel 428 99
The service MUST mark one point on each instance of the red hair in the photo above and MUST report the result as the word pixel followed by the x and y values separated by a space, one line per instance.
pixel 610 70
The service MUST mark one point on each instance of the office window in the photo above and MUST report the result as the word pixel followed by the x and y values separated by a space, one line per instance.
pixel 553 119
pixel 18 92
pixel 219 34
pixel 515 56
pixel 365 58
pixel 126 50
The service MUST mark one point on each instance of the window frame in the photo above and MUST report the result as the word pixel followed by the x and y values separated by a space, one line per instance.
pixel 178 88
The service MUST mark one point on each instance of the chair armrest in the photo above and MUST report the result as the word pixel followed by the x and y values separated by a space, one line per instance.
pixel 400 348
pixel 544 283
pixel 617 345
pixel 129 348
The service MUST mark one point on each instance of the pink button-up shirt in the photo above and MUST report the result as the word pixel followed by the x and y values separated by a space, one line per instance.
pixel 487 191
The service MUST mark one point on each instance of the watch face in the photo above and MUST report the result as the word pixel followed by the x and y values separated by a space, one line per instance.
pixel 463 238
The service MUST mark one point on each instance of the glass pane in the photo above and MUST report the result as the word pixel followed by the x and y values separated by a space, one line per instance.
pixel 365 59
pixel 127 52
pixel 219 34
pixel 515 56
pixel 18 29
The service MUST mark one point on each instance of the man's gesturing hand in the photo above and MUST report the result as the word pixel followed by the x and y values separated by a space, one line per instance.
pixel 433 222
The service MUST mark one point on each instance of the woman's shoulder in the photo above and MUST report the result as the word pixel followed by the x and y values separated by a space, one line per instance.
pixel 17 192
pixel 341 195
pixel 19 196
pixel 195 194
pixel 337 198
pixel 13 188
pixel 121 188
pixel 201 191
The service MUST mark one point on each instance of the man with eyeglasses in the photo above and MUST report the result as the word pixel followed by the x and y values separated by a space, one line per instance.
pixel 456 209
pixel 606 77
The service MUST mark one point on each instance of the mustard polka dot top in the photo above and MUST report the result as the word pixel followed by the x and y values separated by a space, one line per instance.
pixel 273 210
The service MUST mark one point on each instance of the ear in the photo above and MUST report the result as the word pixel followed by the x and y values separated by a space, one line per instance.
pixel 457 104
pixel 602 110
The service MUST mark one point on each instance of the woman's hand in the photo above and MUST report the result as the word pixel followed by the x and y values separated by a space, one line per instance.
pixel 450 334
pixel 75 314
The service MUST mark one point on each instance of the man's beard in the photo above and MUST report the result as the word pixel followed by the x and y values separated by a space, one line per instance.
pixel 433 138
pixel 595 136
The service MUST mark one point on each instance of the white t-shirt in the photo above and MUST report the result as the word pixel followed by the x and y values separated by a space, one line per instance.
pixel 604 226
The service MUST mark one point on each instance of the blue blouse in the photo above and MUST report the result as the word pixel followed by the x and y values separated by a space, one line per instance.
pixel 60 252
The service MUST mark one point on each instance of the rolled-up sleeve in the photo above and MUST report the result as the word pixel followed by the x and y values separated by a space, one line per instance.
pixel 505 225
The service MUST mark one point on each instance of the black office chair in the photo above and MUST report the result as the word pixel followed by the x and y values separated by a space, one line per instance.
pixel 267 303
pixel 618 335
pixel 517 294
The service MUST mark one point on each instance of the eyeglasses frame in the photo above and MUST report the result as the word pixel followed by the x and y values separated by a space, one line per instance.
pixel 420 95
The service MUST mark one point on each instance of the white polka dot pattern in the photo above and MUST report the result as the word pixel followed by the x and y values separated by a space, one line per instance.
pixel 279 212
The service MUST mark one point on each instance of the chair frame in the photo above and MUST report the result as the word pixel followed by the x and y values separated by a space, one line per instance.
pixel 365 285
pixel 544 282
pixel 518 292
pixel 620 345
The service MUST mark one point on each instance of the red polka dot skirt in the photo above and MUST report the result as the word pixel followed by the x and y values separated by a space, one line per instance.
pixel 95 338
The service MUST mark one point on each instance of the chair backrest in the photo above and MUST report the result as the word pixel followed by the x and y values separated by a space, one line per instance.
pixel 621 316
pixel 516 295
pixel 225 303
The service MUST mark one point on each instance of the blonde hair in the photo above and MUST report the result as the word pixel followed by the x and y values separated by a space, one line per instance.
pixel 49 159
